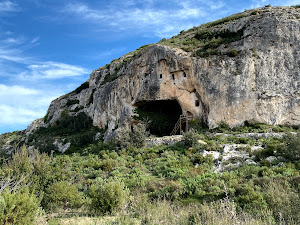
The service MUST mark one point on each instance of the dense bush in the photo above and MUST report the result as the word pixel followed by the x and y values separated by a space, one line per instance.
pixel 132 137
pixel 191 138
pixel 282 200
pixel 213 39
pixel 19 207
pixel 291 147
pixel 83 86
pixel 78 130
pixel 72 102
pixel 62 195
pixel 107 196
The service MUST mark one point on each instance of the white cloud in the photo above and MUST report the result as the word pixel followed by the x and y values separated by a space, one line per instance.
pixel 11 55
pixel 12 40
pixel 20 105
pixel 8 6
pixel 15 90
pixel 12 115
pixel 52 70
pixel 161 21
pixel 35 40
pixel 217 5
pixel 11 49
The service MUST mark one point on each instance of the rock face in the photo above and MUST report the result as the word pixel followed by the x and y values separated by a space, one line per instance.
pixel 261 83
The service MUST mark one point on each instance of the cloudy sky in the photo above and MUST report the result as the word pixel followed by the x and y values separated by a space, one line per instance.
pixel 49 47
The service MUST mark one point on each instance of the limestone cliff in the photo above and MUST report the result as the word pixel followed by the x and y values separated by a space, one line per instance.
pixel 243 68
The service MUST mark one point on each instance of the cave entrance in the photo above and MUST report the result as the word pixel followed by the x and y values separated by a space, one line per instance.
pixel 162 114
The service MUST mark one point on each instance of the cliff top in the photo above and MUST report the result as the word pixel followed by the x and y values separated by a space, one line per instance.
pixel 200 37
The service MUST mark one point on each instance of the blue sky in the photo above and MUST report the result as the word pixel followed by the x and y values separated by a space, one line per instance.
pixel 49 47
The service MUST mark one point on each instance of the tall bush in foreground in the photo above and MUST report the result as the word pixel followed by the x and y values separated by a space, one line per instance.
pixel 17 204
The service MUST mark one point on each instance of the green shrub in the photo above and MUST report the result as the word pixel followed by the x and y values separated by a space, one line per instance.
pixel 206 53
pixel 223 127
pixel 111 77
pixel 254 52
pixel 191 138
pixel 107 196
pixel 78 130
pixel 18 208
pixel 164 189
pixel 249 197
pixel 83 86
pixel 233 53
pixel 62 195
pixel 291 147
pixel 214 39
pixel 282 201
pixel 46 117
pixel 225 20
pixel 72 102
pixel 132 138
pixel 77 109
pixel 64 114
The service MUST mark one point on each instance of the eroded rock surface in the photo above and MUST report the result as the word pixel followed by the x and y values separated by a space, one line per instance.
pixel 260 84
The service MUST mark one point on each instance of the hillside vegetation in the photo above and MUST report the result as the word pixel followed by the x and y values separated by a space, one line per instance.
pixel 109 184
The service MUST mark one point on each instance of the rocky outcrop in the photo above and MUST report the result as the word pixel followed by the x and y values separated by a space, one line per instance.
pixel 166 140
pixel 260 83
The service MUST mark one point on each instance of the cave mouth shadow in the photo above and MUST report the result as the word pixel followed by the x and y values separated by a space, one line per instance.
pixel 162 114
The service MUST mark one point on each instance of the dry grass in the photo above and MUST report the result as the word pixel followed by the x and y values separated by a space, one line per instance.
pixel 163 212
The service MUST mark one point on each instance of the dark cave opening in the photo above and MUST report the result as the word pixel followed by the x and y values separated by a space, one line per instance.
pixel 162 114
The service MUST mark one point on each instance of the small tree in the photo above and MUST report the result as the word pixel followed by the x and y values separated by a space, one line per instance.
pixel 134 137
pixel 191 138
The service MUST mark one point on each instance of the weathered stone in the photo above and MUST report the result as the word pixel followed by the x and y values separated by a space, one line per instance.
pixel 61 146
pixel 200 142
pixel 167 140
pixel 271 159
pixel 214 154
pixel 260 84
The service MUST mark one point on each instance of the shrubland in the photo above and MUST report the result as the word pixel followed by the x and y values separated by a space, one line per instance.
pixel 124 183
